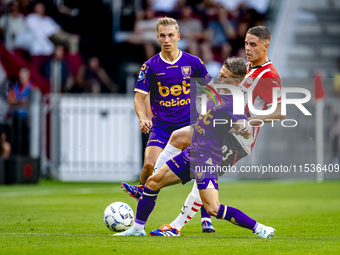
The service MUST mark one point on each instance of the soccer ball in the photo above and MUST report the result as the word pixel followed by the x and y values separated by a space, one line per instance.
pixel 118 216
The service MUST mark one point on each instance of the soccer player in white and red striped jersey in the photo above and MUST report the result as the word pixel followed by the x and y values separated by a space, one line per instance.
pixel 260 80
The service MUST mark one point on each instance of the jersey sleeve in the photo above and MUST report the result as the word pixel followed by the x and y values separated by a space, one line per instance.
pixel 267 82
pixel 201 72
pixel 144 79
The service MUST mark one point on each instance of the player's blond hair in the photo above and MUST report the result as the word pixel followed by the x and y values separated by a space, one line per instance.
pixel 167 21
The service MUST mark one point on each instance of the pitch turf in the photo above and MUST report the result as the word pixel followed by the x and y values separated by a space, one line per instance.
pixel 66 218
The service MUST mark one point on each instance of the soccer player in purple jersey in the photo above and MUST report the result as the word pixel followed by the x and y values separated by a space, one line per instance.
pixel 201 160
pixel 166 76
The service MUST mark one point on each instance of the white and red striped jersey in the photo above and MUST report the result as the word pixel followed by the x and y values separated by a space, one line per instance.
pixel 261 80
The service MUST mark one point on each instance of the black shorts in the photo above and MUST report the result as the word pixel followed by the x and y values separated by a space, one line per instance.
pixel 232 151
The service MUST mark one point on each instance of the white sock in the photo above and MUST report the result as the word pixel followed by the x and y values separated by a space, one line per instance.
pixel 189 209
pixel 258 226
pixel 168 153
pixel 138 227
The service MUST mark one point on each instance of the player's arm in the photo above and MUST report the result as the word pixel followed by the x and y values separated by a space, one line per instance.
pixel 140 109
pixel 202 73
pixel 243 128
pixel 276 115
pixel 149 112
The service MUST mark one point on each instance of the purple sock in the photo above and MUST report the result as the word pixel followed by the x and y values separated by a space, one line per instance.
pixel 204 213
pixel 236 217
pixel 145 205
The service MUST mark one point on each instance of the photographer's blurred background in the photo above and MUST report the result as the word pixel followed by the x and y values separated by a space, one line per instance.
pixel 68 69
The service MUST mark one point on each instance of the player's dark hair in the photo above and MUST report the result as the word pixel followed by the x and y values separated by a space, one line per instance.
pixel 237 66
pixel 262 32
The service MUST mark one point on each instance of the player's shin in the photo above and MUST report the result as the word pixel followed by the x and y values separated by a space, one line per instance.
pixel 236 217
pixel 192 204
pixel 144 208
pixel 168 153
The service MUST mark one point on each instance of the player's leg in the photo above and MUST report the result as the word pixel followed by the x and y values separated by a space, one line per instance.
pixel 214 208
pixel 190 207
pixel 179 140
pixel 150 157
pixel 232 153
pixel 173 172
pixel 158 139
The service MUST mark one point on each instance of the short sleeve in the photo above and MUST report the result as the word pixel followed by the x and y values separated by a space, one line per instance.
pixel 201 72
pixel 143 81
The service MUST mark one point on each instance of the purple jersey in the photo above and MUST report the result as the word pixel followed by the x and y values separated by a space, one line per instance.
pixel 209 131
pixel 169 87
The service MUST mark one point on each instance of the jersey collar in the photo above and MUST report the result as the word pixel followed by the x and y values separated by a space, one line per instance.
pixel 171 63
pixel 264 64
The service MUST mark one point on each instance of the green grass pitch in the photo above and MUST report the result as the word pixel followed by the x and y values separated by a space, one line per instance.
pixel 66 218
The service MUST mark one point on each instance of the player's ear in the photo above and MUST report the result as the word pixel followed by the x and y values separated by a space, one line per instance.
pixel 266 46
pixel 179 36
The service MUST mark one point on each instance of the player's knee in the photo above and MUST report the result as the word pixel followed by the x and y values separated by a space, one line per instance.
pixel 148 167
pixel 180 139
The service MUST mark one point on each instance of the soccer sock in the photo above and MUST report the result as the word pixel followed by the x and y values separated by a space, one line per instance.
pixel 191 205
pixel 145 206
pixel 168 153
pixel 236 217
pixel 205 215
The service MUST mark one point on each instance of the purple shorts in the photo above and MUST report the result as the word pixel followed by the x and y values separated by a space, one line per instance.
pixel 159 136
pixel 200 167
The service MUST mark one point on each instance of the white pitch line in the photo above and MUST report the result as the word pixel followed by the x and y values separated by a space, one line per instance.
pixel 60 192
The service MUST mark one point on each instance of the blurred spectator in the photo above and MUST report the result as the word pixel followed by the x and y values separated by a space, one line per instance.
pixel 93 78
pixel 5 147
pixel 336 82
pixel 213 66
pixel 41 31
pixel 18 95
pixel 18 101
pixel 25 6
pixel 11 24
pixel 5 150
pixel 2 7
pixel 57 71
pixel 221 31
pixel 44 26
pixel 164 7
pixel 191 30
pixel 145 32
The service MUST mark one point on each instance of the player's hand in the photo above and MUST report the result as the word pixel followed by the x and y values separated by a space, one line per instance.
pixel 244 130
pixel 145 125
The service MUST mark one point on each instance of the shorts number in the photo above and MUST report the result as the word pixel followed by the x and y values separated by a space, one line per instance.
pixel 225 150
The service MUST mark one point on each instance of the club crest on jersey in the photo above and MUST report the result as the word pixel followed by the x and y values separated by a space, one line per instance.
pixel 186 71
pixel 141 76
pixel 250 80
pixel 200 176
